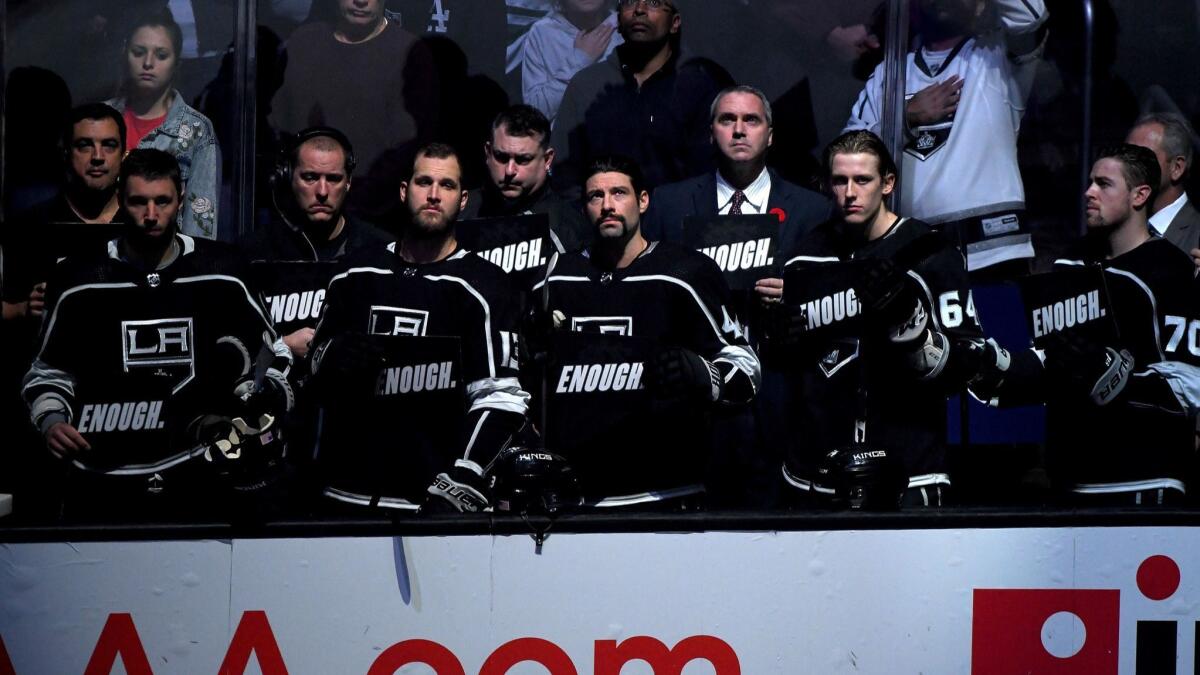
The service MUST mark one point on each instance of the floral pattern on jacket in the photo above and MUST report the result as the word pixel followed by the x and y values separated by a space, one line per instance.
pixel 188 135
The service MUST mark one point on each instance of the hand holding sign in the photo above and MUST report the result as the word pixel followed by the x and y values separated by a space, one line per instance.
pixel 1085 367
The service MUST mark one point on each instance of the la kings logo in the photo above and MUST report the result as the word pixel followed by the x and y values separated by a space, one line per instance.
pixel 840 353
pixel 929 140
pixel 397 321
pixel 164 346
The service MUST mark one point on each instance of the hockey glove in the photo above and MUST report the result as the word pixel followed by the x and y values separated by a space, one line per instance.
pixel 784 325
pixel 681 373
pixel 891 301
pixel 347 356
pixel 462 489
pixel 986 364
pixel 537 327
pixel 1101 372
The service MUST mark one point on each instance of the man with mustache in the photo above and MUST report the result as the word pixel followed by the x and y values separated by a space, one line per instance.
pixel 676 297
pixel 422 285
pixel 519 159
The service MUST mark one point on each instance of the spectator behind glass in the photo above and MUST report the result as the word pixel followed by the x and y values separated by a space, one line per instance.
pixel 157 117
pixel 1173 217
pixel 519 158
pixel 967 83
pixel 646 101
pixel 361 73
pixel 93 143
pixel 576 34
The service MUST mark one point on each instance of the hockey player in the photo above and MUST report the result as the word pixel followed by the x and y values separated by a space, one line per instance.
pixel 884 382
pixel 173 335
pixel 422 285
pixel 674 296
pixel 1120 417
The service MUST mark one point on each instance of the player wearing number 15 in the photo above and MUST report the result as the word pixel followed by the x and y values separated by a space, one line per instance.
pixel 881 382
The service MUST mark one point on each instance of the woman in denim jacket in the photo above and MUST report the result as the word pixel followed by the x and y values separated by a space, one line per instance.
pixel 157 117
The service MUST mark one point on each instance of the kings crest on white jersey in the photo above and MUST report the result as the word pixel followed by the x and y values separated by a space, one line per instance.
pixel 165 345
pixel 397 321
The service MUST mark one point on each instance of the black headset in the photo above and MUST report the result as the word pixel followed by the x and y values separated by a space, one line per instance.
pixel 282 175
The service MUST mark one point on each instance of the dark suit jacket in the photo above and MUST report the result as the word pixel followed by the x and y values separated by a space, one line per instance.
pixel 744 467
pixel 803 209
pixel 1184 230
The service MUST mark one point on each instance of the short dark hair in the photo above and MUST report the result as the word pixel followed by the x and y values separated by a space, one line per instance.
pixel 1139 165
pixel 616 164
pixel 524 121
pixel 858 142
pixel 92 111
pixel 158 18
pixel 742 89
pixel 150 164
pixel 437 150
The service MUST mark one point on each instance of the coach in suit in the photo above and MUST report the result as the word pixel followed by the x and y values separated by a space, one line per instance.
pixel 741 123
pixel 743 470
pixel 1174 217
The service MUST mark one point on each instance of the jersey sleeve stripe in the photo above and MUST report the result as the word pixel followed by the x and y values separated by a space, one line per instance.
pixel 487 316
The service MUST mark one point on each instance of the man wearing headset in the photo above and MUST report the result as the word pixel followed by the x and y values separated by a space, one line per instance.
pixel 308 190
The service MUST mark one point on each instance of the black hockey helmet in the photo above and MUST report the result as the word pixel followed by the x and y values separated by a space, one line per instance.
pixel 861 477
pixel 534 481
pixel 242 455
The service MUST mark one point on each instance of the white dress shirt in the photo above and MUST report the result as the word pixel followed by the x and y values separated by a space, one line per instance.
pixel 1159 221
pixel 757 194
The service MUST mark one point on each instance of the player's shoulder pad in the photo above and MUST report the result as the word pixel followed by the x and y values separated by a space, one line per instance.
pixel 683 262
pixel 215 257
pixel 575 263
pixel 822 241
pixel 483 275
pixel 1160 264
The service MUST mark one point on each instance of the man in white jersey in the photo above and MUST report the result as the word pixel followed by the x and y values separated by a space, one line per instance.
pixel 967 81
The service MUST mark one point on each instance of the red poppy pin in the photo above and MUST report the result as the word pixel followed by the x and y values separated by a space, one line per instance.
pixel 779 213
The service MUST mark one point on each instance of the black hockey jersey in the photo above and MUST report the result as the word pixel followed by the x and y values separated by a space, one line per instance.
pixel 462 296
pixel 674 297
pixel 838 381
pixel 131 358
pixel 1129 445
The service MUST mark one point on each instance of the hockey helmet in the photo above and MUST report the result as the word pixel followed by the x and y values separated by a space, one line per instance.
pixel 243 456
pixel 861 477
pixel 534 481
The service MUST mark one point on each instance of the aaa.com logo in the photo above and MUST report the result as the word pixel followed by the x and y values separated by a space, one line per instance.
pixel 1071 632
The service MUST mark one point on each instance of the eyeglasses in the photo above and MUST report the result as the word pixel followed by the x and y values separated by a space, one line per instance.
pixel 650 4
